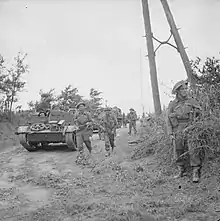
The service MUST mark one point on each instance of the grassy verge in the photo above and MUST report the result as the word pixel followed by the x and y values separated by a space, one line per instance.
pixel 178 198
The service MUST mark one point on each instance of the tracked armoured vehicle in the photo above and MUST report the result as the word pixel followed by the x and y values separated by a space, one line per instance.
pixel 45 128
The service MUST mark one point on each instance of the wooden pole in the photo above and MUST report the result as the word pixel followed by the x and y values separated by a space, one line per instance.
pixel 151 57
pixel 141 81
pixel 178 41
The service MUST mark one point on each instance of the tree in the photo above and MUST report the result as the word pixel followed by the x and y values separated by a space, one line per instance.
pixel 31 105
pixel 2 79
pixel 12 82
pixel 69 97
pixel 46 100
pixel 18 108
pixel 2 70
pixel 95 100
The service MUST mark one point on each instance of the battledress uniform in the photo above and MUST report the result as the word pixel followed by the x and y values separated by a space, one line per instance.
pixel 180 112
pixel 96 123
pixel 109 124
pixel 82 120
pixel 124 120
pixel 132 118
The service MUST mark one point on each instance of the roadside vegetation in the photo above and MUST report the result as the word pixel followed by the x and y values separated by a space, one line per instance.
pixel 135 184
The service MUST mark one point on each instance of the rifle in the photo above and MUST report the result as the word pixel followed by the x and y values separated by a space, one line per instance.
pixel 84 126
pixel 174 148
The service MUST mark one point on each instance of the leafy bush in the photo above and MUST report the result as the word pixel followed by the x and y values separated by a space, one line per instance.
pixel 204 132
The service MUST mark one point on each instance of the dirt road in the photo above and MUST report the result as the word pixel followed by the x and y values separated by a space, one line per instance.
pixel 48 185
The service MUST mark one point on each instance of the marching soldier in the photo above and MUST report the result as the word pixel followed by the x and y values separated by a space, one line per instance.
pixel 124 120
pixel 109 124
pixel 97 117
pixel 180 112
pixel 132 118
pixel 142 119
pixel 84 122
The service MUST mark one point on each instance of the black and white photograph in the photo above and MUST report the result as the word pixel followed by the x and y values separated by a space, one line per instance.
pixel 109 110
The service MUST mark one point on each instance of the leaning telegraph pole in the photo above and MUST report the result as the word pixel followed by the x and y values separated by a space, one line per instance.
pixel 178 41
pixel 151 58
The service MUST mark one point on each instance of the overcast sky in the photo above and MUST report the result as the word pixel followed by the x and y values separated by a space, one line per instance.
pixel 97 43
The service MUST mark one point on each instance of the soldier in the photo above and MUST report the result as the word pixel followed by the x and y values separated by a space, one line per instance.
pixel 109 124
pixel 180 113
pixel 97 118
pixel 114 111
pixel 124 120
pixel 119 118
pixel 84 121
pixel 142 119
pixel 132 118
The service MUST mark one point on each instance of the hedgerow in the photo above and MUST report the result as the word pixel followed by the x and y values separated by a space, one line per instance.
pixel 203 132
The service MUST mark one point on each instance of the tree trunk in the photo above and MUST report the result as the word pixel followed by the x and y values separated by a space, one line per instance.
pixel 151 57
pixel 10 109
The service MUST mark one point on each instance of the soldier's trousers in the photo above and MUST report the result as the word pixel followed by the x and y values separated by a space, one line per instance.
pixel 109 141
pixel 83 137
pixel 132 124
pixel 124 123
pixel 182 146
pixel 101 135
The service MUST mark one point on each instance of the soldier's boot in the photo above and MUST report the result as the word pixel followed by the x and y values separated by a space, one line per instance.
pixel 196 174
pixel 181 172
pixel 79 158
pixel 107 154
pixel 112 147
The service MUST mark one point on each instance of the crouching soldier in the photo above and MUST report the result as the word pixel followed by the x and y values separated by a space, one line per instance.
pixel 109 124
pixel 179 116
pixel 84 122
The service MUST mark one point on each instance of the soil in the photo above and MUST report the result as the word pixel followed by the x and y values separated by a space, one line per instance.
pixel 48 185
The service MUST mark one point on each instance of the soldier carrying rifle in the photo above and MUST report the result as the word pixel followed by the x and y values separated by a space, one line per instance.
pixel 179 116
pixel 108 125
pixel 84 122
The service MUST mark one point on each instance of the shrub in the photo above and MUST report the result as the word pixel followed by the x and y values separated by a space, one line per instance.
pixel 204 132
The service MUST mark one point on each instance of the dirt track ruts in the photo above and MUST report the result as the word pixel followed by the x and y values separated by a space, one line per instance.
pixel 48 185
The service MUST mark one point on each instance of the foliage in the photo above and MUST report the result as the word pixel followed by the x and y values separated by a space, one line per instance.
pixel 153 138
pixel 204 131
pixel 31 105
pixel 95 101
pixel 46 100
pixel 69 97
pixel 11 80
pixel 11 83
